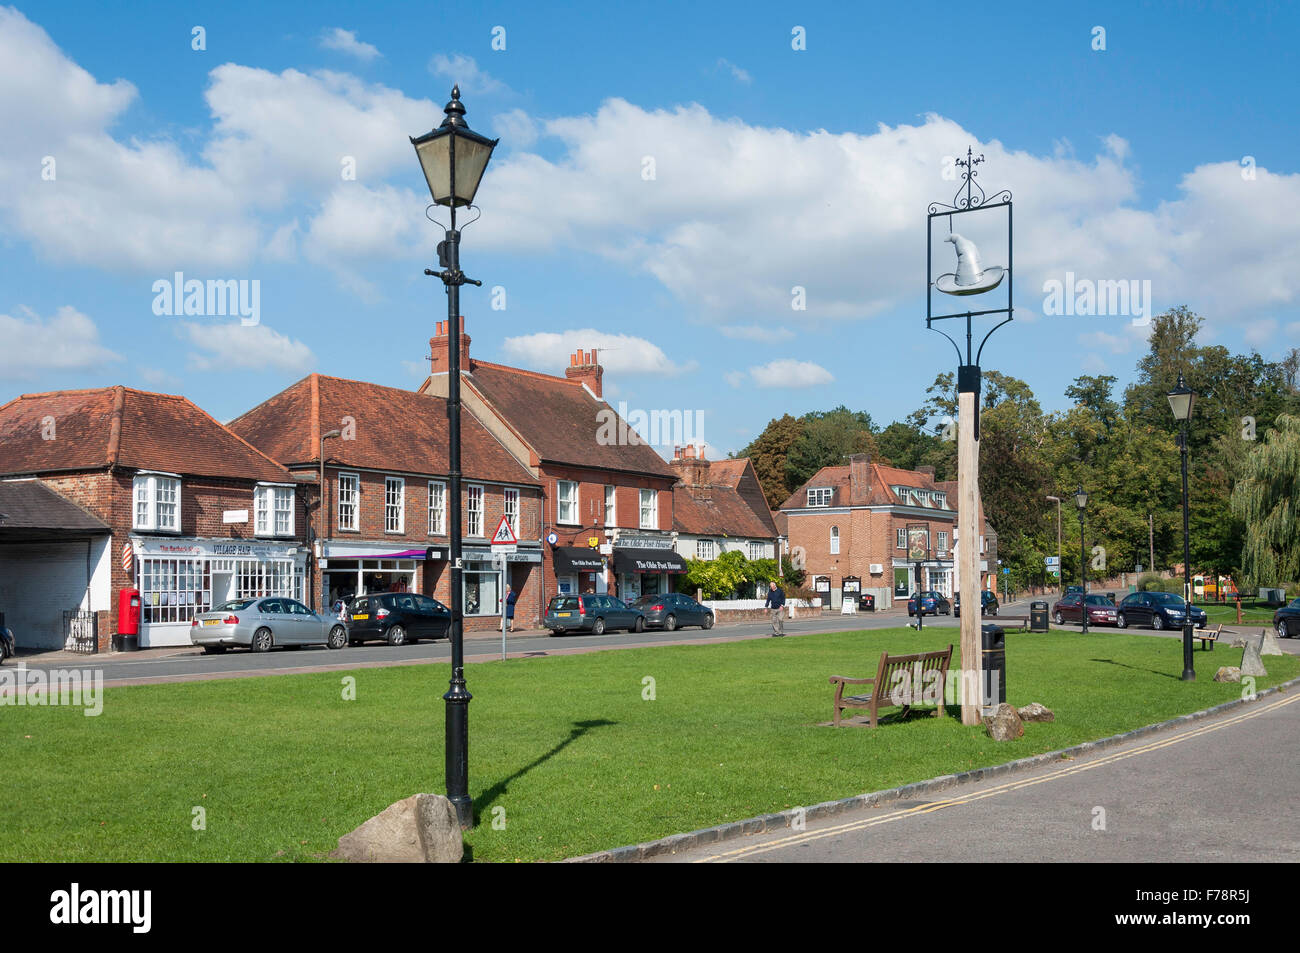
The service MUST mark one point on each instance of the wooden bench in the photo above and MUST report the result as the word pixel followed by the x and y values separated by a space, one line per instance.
pixel 1017 621
pixel 1209 636
pixel 901 681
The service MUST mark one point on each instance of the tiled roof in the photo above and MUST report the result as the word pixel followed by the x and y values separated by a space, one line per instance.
pixel 31 505
pixel 92 429
pixel 724 513
pixel 560 419
pixel 390 428
pixel 727 472
pixel 879 493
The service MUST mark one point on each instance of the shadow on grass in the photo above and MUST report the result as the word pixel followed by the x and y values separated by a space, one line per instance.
pixel 484 802
pixel 1138 668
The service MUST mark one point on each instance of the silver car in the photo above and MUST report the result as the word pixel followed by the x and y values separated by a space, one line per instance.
pixel 263 623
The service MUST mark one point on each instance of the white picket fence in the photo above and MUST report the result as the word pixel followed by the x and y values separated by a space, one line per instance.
pixel 750 603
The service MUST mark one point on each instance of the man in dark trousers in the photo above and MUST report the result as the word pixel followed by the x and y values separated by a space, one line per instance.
pixel 775 602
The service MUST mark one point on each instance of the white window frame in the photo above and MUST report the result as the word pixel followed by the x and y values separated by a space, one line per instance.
pixel 474 509
pixel 652 508
pixel 900 536
pixel 510 508
pixel 153 484
pixel 835 540
pixel 572 518
pixel 819 496
pixel 943 541
pixel 755 550
pixel 611 504
pixel 270 502
pixel 705 549
pixel 394 512
pixel 437 508
pixel 353 499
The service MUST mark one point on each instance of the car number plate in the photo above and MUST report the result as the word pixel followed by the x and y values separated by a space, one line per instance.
pixel 212 622
pixel 563 615
pixel 360 618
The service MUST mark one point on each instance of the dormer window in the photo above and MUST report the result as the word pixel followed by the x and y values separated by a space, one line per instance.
pixel 819 496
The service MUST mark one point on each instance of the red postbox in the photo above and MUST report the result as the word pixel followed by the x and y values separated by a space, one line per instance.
pixel 128 620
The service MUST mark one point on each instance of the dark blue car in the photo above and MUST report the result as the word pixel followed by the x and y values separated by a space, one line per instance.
pixel 1160 610
pixel 932 603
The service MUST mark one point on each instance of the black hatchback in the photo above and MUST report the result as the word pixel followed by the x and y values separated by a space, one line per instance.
pixel 397 618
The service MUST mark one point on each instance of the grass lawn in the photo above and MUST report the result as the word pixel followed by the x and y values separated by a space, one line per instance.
pixel 1253 613
pixel 564 750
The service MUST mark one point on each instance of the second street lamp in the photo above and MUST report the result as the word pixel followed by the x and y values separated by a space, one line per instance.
pixel 453 158
pixel 1181 400
pixel 1081 501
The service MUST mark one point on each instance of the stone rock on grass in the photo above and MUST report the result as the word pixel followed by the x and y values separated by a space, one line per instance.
pixel 421 829
pixel 1035 712
pixel 1228 673
pixel 1004 724
pixel 1251 664
pixel 1269 645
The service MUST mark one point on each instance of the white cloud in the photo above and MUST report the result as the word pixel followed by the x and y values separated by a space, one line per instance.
pixel 751 332
pixel 250 347
pixel 515 128
pixel 739 74
pixel 68 341
pixel 345 41
pixel 619 353
pixel 785 372
pixel 464 71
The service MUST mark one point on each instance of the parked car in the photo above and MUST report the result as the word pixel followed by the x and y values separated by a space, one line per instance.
pixel 397 618
pixel 932 603
pixel 1160 610
pixel 672 610
pixel 1287 620
pixel 6 644
pixel 261 624
pixel 1101 610
pixel 591 613
pixel 988 603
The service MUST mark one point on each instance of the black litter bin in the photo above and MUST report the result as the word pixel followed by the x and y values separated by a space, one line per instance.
pixel 1038 617
pixel 866 603
pixel 993 664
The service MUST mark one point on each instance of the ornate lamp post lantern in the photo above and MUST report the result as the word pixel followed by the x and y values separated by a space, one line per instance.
pixel 1081 501
pixel 453 158
pixel 971 278
pixel 1182 399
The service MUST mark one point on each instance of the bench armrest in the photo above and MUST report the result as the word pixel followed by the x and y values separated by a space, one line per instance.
pixel 844 680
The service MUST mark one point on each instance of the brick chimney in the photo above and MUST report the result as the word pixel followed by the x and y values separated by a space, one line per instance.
pixel 583 367
pixel 693 470
pixel 439 348
pixel 927 470
pixel 859 477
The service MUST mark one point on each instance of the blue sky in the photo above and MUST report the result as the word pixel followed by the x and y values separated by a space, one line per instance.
pixel 773 169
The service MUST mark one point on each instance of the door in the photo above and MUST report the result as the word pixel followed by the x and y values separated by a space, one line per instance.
pixel 437 619
pixel 308 628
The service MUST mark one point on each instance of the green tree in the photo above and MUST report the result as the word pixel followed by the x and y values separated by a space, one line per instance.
pixel 1267 498
pixel 828 439
pixel 768 454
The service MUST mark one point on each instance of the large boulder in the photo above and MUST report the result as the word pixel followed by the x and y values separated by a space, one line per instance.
pixel 1004 724
pixel 1035 712
pixel 1251 663
pixel 421 829
pixel 1228 673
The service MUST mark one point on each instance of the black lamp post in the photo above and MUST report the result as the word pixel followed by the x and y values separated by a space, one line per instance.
pixel 1081 501
pixel 1181 399
pixel 453 158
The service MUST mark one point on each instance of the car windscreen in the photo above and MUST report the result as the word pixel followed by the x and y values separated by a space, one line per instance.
pixel 234 605
pixel 563 602
pixel 1099 601
pixel 1166 599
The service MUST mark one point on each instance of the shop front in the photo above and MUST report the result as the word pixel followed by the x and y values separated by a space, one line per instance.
pixel 486 578
pixel 179 578
pixel 354 568
pixel 645 565
pixel 578 569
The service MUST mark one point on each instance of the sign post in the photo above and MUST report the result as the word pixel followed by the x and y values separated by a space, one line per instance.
pixel 504 542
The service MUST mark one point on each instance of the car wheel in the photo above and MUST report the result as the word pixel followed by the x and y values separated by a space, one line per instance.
pixel 262 640
pixel 213 649
pixel 396 635
pixel 338 637
pixel 1121 622
pixel 1157 622
pixel 708 621
pixel 1058 619
pixel 1281 629
pixel 639 625
pixel 598 627
pixel 993 610
pixel 670 623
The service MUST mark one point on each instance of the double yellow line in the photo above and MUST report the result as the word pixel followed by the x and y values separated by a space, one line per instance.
pixel 808 837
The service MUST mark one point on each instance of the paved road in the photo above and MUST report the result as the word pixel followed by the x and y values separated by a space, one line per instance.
pixel 1220 790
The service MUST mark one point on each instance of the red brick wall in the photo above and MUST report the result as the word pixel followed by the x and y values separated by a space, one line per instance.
pixel 866 537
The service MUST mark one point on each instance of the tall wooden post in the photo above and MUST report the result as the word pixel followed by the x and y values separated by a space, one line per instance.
pixel 968 499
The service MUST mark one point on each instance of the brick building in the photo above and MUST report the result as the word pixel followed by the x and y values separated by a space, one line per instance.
pixel 718 507
pixel 171 503
pixel 385 521
pixel 857 522
pixel 607 508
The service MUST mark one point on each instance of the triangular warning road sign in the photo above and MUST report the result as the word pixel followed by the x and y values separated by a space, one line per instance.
pixel 504 536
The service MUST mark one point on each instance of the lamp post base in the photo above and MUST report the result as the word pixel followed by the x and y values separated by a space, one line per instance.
pixel 1189 670
pixel 457 752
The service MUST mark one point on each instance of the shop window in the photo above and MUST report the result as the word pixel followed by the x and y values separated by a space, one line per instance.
pixel 348 488
pixel 157 503
pixel 174 590
pixel 482 592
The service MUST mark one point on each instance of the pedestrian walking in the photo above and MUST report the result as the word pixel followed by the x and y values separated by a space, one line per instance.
pixel 775 602
pixel 511 598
